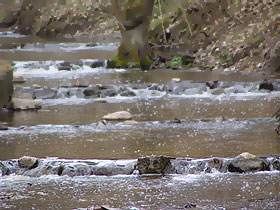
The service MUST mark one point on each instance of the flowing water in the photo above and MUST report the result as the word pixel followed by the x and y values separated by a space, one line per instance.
pixel 212 125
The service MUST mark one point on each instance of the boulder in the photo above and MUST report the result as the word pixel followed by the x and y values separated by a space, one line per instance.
pixel 118 116
pixel 24 104
pixel 28 162
pixel 154 165
pixel 247 162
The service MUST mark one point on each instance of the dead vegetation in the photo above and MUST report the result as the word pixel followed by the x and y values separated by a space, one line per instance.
pixel 221 35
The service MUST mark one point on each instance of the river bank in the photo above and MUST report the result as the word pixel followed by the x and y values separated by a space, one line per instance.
pixel 229 37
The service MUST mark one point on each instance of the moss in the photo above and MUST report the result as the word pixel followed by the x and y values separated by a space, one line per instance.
pixel 2 16
pixel 181 60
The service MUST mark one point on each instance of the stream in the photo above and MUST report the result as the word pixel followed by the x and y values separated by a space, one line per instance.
pixel 214 123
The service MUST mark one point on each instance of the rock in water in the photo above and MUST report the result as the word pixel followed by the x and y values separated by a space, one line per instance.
pixel 130 122
pixel 28 162
pixel 118 116
pixel 247 156
pixel 266 85
pixel 247 162
pixel 154 165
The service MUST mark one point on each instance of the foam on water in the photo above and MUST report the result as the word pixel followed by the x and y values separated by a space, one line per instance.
pixel 49 69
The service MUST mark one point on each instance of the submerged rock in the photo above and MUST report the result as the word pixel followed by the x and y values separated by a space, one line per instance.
pixel 118 116
pixel 154 165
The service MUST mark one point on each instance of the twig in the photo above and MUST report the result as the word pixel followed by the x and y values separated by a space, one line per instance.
pixel 185 17
pixel 163 29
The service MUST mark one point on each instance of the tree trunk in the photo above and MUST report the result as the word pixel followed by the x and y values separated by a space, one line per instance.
pixel 134 18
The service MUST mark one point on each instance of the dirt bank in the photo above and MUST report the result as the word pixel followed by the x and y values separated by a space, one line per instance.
pixel 233 37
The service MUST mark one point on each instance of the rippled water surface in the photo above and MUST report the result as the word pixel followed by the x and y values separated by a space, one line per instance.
pixel 212 125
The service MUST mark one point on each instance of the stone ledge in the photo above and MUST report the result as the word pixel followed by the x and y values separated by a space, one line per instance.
pixel 159 165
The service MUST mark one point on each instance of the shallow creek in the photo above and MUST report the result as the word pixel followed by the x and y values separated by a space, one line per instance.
pixel 213 125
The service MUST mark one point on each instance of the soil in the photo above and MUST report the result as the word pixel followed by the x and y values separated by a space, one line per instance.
pixel 230 37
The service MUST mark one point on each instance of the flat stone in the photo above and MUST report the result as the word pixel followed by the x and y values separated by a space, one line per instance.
pixel 130 122
pixel 28 162
pixel 24 104
pixel 121 115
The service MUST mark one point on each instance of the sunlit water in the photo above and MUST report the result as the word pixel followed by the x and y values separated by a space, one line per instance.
pixel 221 126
